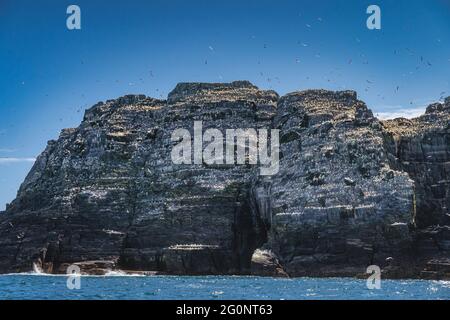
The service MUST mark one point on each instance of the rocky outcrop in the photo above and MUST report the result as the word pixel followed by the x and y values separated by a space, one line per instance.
pixel 351 191
pixel 266 263
pixel 422 148
pixel 337 205
pixel 108 189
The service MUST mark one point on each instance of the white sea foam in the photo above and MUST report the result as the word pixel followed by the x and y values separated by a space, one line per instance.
pixel 108 274
pixel 37 269
pixel 119 273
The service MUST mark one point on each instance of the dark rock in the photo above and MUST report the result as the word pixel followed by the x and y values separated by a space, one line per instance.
pixel 351 191
pixel 421 147
pixel 349 182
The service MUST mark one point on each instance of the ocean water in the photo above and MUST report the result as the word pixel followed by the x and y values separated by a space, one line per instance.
pixel 118 287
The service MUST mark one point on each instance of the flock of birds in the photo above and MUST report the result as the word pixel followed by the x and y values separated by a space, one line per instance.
pixel 422 63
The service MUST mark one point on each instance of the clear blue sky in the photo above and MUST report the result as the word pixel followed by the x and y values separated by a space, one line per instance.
pixel 49 75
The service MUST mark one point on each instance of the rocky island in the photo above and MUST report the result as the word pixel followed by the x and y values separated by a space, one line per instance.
pixel 351 191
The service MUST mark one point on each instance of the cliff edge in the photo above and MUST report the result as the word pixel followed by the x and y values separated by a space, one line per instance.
pixel 351 191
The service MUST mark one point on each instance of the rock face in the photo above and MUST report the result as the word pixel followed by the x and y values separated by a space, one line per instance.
pixel 422 146
pixel 337 205
pixel 351 191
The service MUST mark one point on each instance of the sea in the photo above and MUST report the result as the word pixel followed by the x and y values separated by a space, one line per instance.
pixel 117 286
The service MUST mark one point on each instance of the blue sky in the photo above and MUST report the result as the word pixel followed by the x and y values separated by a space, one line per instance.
pixel 49 75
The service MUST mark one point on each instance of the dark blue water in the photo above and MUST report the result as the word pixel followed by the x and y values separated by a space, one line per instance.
pixel 215 287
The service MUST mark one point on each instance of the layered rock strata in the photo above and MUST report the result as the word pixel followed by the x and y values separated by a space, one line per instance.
pixel 351 190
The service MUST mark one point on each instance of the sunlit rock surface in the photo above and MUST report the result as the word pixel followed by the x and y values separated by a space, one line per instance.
pixel 351 191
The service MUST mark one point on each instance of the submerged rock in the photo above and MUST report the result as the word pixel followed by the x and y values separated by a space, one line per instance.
pixel 351 191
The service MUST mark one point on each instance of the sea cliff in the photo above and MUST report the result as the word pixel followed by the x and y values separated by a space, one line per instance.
pixel 351 191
